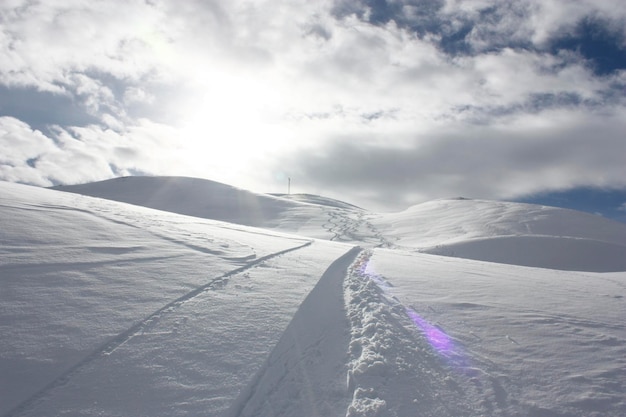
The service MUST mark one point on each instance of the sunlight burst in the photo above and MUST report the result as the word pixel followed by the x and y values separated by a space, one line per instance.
pixel 232 125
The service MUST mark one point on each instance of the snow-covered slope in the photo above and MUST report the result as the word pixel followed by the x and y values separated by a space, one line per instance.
pixel 511 233
pixel 302 214
pixel 190 196
pixel 122 310
pixel 319 200
pixel 113 309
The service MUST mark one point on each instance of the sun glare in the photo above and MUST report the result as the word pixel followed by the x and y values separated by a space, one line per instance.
pixel 233 121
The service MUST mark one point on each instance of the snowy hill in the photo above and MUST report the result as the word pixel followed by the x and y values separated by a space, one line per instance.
pixel 114 309
pixel 320 200
pixel 190 196
pixel 511 233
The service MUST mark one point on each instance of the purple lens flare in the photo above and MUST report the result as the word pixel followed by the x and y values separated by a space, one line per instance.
pixel 439 340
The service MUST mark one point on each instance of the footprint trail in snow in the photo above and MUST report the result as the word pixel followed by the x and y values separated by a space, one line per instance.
pixel 395 355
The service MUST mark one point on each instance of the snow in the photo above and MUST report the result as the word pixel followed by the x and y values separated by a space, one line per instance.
pixel 510 233
pixel 530 341
pixel 323 308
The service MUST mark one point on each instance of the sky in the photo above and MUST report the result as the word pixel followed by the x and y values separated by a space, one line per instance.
pixel 382 103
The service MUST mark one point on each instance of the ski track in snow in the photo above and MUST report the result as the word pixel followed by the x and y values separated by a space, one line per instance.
pixel 352 349
pixel 350 226
pixel 111 345
pixel 305 373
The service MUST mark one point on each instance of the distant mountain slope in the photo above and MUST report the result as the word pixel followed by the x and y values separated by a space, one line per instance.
pixel 511 233
pixel 190 196
pixel 307 215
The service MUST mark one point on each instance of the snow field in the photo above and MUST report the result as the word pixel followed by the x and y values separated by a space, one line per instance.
pixel 118 310
pixel 195 356
pixel 117 271
pixel 534 341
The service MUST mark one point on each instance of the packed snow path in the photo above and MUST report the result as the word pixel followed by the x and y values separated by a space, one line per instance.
pixel 305 375
pixel 353 350
pixel 394 368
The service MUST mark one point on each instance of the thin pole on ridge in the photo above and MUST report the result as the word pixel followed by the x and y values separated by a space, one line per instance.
pixel 288 185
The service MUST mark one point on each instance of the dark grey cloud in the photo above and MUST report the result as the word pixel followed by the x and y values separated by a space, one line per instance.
pixel 471 161
pixel 536 103
pixel 319 30
pixel 419 15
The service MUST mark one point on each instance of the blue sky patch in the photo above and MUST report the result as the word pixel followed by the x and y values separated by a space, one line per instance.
pixel 608 203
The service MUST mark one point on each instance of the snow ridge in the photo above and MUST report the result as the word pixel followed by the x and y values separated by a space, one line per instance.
pixel 394 369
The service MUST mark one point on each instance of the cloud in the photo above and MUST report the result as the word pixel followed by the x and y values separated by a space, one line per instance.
pixel 367 97
pixel 24 147
pixel 82 154
pixel 521 156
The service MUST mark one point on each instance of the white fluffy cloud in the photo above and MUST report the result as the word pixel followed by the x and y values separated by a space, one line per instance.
pixel 89 153
pixel 250 91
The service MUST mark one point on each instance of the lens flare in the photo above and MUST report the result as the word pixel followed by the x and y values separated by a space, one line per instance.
pixel 437 338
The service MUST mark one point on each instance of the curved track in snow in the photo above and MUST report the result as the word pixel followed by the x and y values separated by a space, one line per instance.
pixel 113 343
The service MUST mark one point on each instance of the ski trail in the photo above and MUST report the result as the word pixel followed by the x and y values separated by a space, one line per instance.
pixel 114 343
pixel 346 226
pixel 305 373
pixel 214 283
pixel 351 349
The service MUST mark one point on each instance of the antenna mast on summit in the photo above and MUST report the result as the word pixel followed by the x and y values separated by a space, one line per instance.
pixel 288 185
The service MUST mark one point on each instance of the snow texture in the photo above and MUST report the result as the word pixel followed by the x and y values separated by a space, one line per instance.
pixel 176 306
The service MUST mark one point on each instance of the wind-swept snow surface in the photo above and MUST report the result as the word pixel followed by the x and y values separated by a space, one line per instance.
pixel 118 310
